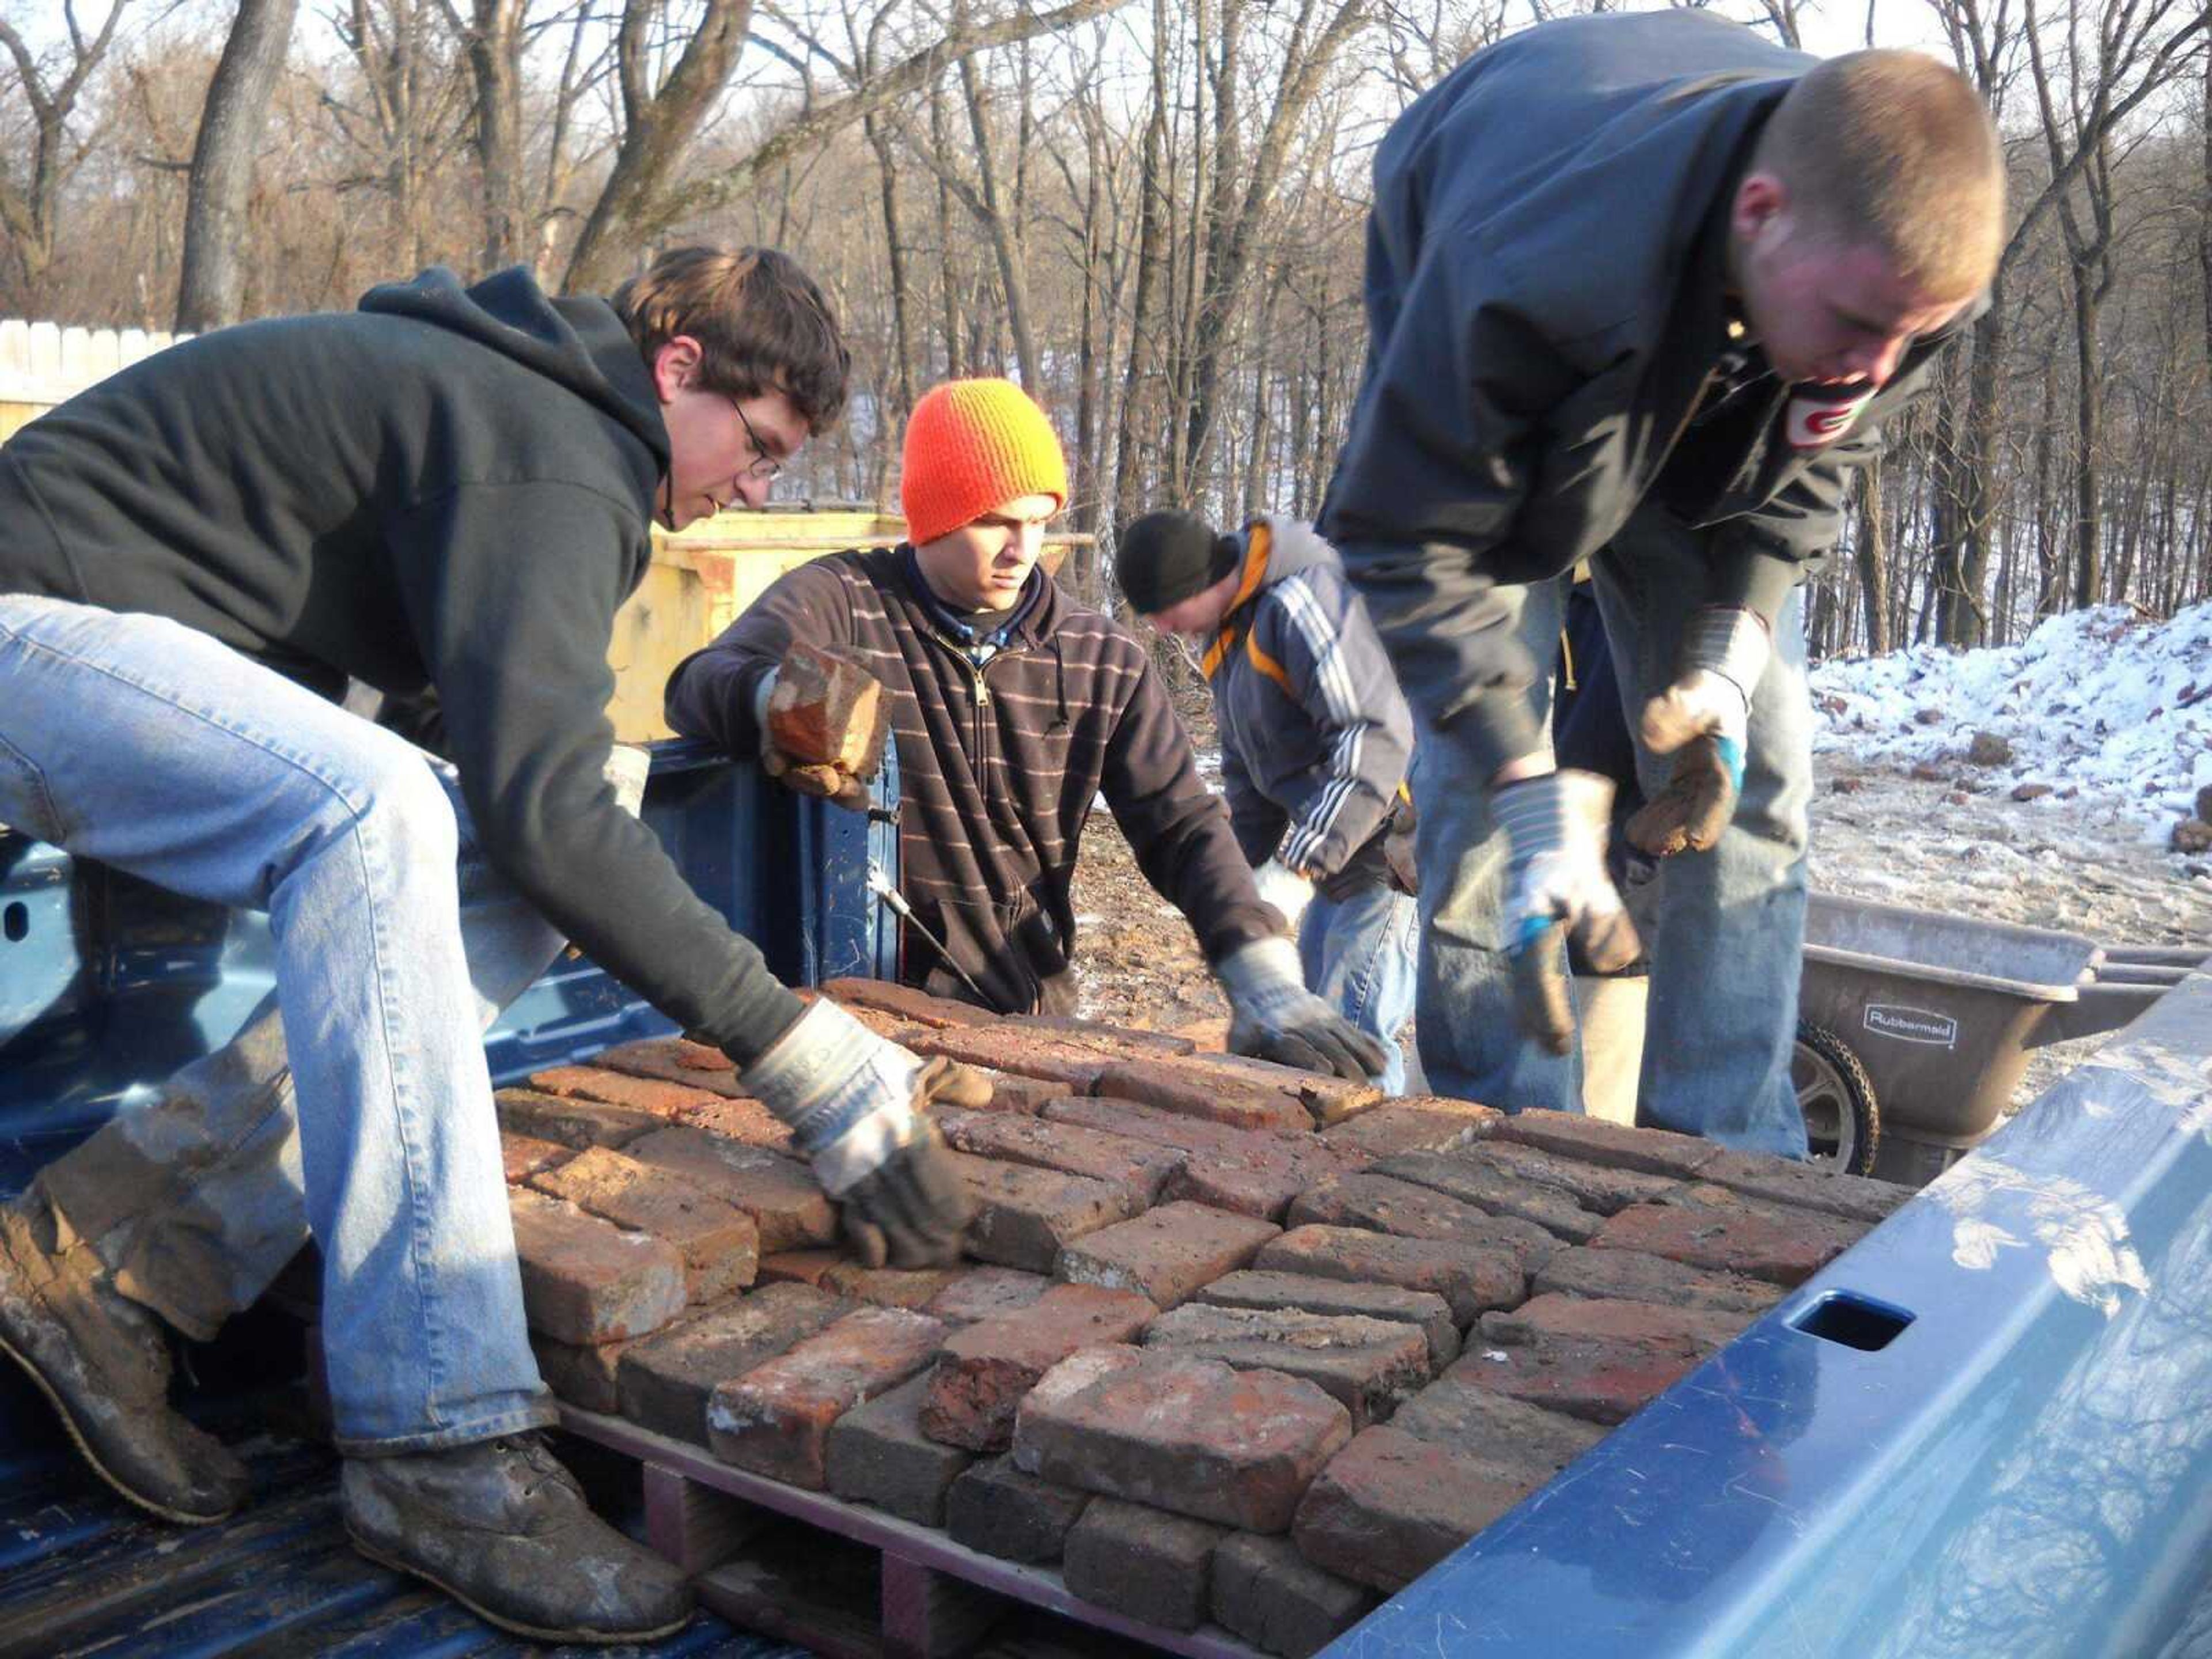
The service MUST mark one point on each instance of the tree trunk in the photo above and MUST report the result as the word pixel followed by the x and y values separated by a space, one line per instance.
pixel 494 49
pixel 211 287
pixel 1872 547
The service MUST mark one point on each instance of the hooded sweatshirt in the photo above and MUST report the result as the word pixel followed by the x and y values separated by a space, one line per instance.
pixel 451 490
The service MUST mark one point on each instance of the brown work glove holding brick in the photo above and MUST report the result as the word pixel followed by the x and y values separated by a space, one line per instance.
pixel 825 720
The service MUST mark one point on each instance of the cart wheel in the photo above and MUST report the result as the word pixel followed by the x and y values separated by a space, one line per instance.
pixel 1842 1122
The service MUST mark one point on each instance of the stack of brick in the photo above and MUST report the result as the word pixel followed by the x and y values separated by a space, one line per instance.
pixel 1232 1344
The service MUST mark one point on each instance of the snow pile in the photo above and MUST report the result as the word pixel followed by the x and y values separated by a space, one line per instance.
pixel 2094 701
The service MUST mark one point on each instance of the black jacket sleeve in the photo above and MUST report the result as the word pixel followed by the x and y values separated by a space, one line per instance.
pixel 712 692
pixel 511 592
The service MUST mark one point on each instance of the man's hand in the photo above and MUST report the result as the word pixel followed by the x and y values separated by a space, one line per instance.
pixel 1703 718
pixel 1555 826
pixel 824 723
pixel 1284 887
pixel 1274 1016
pixel 854 1104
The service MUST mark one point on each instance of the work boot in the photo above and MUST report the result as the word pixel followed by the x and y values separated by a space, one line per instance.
pixel 104 1363
pixel 501 1528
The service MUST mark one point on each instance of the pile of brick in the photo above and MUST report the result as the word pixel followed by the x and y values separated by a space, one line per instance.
pixel 1236 1344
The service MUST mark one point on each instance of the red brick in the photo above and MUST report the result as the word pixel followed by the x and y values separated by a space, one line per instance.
pixel 1499 1431
pixel 574 1124
pixel 1689 1330
pixel 1024 1097
pixel 666 1380
pixel 916 1007
pixel 1198 1090
pixel 721 1246
pixel 1122 1041
pixel 1805 1187
pixel 775 1421
pixel 674 1058
pixel 583 1377
pixel 1595 1186
pixel 1024 1215
pixel 988 1367
pixel 1266 1593
pixel 585 1281
pixel 1596 1140
pixel 890 1287
pixel 1632 1276
pixel 1410 1211
pixel 827 710
pixel 1326 1098
pixel 808 1267
pixel 980 1293
pixel 1711 1227
pixel 878 1454
pixel 1135 1168
pixel 742 1119
pixel 1254 1172
pixel 1142 1563
pixel 655 1095
pixel 1187 1435
pixel 1368 1366
pixel 1165 1254
pixel 1425 1310
pixel 1613 1362
pixel 1390 1506
pixel 784 1200
pixel 1002 1047
pixel 997 1509
pixel 1493 1194
pixel 1471 1279
pixel 524 1156
pixel 1421 1123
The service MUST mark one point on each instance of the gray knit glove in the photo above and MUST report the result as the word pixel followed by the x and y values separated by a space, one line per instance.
pixel 1555 876
pixel 1274 1016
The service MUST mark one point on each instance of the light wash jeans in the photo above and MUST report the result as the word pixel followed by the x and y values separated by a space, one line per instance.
pixel 1724 958
pixel 151 747
pixel 1358 953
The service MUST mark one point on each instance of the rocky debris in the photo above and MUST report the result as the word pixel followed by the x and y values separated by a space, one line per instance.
pixel 2192 835
pixel 1989 749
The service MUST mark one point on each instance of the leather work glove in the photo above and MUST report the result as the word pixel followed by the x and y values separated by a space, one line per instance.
pixel 1703 719
pixel 1555 877
pixel 1271 1015
pixel 854 1104
pixel 1284 887
pixel 823 722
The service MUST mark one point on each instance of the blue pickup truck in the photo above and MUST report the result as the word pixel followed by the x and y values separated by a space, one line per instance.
pixel 1985 1430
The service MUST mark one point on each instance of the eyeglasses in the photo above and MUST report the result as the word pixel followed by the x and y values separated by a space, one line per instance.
pixel 766 465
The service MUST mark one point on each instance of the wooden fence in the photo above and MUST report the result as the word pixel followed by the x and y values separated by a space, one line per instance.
pixel 42 364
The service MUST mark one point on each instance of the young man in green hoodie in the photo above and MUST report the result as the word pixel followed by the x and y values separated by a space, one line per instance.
pixel 451 491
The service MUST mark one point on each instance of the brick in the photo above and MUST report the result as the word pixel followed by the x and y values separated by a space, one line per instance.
pixel 1711 1227
pixel 579 1124
pixel 1198 1090
pixel 524 1156
pixel 740 1118
pixel 980 1293
pixel 1326 1098
pixel 1390 1506
pixel 775 1421
pixel 585 1281
pixel 1691 1330
pixel 657 1096
pixel 1124 1041
pixel 1595 1186
pixel 1433 1125
pixel 1024 1215
pixel 1366 1364
pixel 1805 1187
pixel 721 1246
pixel 1410 1211
pixel 664 1381
pixel 1142 1563
pixel 1023 1096
pixel 917 1007
pixel 1496 1428
pixel 1136 1168
pixel 888 1287
pixel 827 710
pixel 1254 1172
pixel 1631 1276
pixel 1425 1310
pixel 1472 1279
pixel 808 1267
pixel 1165 1254
pixel 1003 1047
pixel 987 1368
pixel 1612 1360
pixel 784 1200
pixel 878 1454
pixel 581 1376
pixel 676 1060
pixel 1493 1194
pixel 1594 1141
pixel 1270 1595
pixel 1192 1435
pixel 996 1509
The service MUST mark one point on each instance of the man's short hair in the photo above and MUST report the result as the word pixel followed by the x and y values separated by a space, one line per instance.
pixel 1895 150
pixel 761 321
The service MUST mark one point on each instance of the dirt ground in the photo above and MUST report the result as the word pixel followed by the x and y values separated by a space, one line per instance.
pixel 1878 834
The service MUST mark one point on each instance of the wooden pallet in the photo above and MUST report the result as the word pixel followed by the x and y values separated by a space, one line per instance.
pixel 844 1579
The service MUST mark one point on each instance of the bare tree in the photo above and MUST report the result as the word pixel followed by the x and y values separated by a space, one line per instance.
pixel 211 287
pixel 28 208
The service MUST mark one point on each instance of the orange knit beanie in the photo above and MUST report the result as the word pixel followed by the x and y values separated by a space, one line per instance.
pixel 972 446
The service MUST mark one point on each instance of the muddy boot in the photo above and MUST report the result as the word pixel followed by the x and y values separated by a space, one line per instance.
pixel 501 1528
pixel 103 1362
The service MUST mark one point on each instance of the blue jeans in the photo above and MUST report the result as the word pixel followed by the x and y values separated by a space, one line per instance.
pixel 1725 955
pixel 150 747
pixel 1358 952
